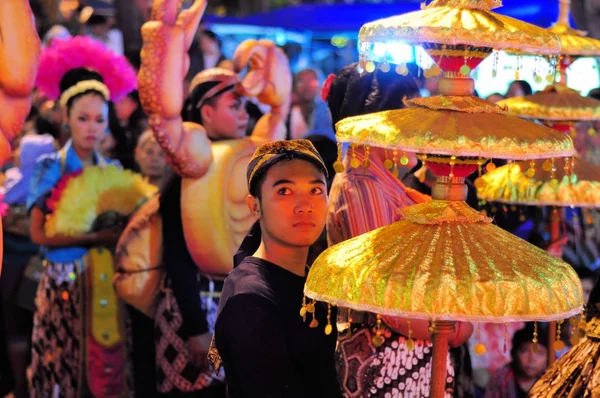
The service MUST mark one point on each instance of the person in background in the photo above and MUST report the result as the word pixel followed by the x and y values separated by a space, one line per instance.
pixel 131 116
pixel 151 160
pixel 518 88
pixel 361 200
pixel 205 53
pixel 495 97
pixel 309 114
pixel 99 21
pixel 529 361
pixel 21 258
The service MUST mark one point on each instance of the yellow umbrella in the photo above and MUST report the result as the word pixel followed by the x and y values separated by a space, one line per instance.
pixel 535 184
pixel 445 261
pixel 454 125
pixel 556 103
pixel 459 22
pixel 462 131
pixel 574 43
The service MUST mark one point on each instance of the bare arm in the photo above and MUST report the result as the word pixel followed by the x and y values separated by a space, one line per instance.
pixel 38 234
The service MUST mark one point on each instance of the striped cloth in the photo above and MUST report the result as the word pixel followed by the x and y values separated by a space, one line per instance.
pixel 364 199
pixel 361 200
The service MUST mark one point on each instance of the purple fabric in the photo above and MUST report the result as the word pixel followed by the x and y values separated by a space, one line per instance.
pixel 16 185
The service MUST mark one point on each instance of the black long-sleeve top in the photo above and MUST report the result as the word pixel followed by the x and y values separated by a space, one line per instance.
pixel 266 348
pixel 181 270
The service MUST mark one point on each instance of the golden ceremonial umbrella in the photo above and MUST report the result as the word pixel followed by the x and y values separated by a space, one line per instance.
pixel 574 43
pixel 576 183
pixel 535 184
pixel 455 133
pixel 556 105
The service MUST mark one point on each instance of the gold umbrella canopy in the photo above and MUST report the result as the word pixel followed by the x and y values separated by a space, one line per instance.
pixel 554 103
pixel 459 23
pixel 454 125
pixel 445 261
pixel 534 183
pixel 574 43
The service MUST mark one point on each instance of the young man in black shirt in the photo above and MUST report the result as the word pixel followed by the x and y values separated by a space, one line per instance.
pixel 265 346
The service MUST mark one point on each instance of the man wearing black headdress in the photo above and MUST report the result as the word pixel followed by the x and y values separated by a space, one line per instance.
pixel 266 347
pixel 187 304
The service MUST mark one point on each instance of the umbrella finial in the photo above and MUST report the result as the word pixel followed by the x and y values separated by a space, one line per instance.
pixel 485 5
pixel 564 8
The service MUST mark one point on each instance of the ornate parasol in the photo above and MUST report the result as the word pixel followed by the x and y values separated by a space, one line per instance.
pixel 557 106
pixel 440 263
pixel 538 183
pixel 575 184
pixel 457 34
pixel 574 43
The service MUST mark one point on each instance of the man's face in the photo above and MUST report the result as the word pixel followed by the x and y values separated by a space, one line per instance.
pixel 226 118
pixel 293 204
pixel 307 86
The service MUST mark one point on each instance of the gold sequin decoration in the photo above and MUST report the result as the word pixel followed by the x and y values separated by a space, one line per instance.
pixel 447 260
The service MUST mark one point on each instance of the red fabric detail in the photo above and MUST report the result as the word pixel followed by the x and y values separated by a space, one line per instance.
pixel 564 127
pixel 56 192
pixel 105 369
pixel 453 64
pixel 443 169
pixel 327 87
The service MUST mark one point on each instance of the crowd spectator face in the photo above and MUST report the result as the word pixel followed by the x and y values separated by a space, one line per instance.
pixel 307 86
pixel 125 108
pixel 532 363
pixel 151 159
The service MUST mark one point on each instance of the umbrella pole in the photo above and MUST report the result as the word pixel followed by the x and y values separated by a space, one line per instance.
pixel 554 236
pixel 440 330
pixel 453 189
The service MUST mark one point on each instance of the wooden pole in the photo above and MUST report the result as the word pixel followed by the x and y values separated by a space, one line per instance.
pixel 440 330
pixel 555 221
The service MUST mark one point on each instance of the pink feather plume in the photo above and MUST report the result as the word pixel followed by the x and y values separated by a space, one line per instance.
pixel 84 52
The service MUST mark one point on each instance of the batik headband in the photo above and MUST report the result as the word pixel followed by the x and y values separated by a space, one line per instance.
pixel 268 154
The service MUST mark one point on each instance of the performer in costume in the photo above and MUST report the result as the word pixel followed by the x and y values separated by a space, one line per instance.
pixel 366 195
pixel 209 155
pixel 211 171
pixel 188 300
pixel 20 49
pixel 266 347
pixel 78 337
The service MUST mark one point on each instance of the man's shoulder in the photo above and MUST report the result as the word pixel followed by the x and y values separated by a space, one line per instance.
pixel 249 280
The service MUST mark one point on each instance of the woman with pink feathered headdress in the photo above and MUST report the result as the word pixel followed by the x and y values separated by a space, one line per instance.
pixel 78 344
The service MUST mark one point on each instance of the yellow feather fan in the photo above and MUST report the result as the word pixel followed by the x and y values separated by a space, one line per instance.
pixel 95 191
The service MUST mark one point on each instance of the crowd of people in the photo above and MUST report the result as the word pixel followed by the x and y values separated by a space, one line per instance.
pixel 49 347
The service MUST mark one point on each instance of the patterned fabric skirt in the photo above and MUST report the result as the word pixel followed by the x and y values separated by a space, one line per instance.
pixel 174 371
pixel 391 370
pixel 65 361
